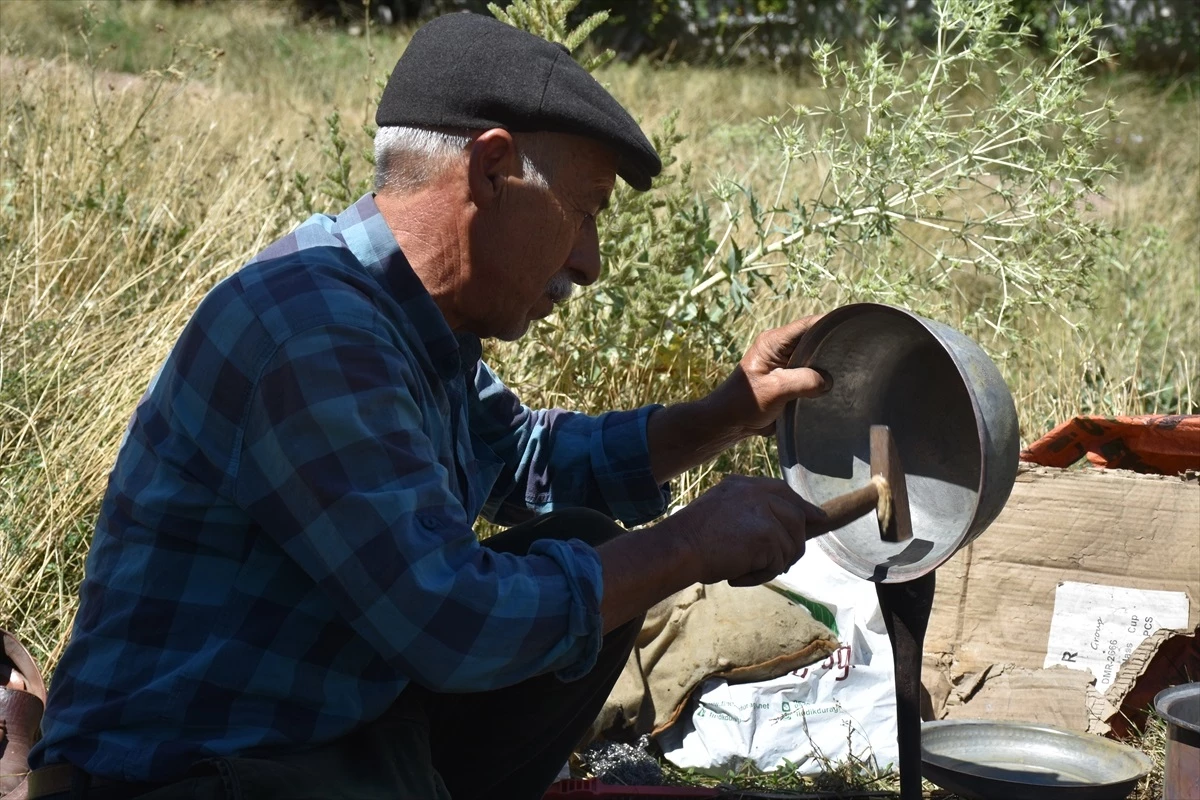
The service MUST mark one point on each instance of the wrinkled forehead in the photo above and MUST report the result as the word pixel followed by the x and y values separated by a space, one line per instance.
pixel 588 164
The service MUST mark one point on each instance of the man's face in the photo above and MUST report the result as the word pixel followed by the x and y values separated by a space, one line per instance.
pixel 533 244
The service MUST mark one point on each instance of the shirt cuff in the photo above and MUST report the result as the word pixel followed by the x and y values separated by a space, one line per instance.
pixel 580 564
pixel 620 450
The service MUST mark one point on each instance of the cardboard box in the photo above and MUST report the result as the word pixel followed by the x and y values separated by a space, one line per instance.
pixel 995 598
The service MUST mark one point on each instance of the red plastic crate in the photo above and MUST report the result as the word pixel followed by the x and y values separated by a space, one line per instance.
pixel 592 788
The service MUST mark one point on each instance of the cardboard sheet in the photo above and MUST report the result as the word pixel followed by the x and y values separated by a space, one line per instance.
pixel 1168 658
pixel 1006 693
pixel 995 600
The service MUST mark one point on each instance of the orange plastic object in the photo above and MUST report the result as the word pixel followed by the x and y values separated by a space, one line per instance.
pixel 1166 445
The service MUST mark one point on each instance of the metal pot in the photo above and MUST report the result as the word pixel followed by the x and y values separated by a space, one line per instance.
pixel 949 410
pixel 1180 707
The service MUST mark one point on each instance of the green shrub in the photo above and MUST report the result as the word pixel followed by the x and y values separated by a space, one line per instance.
pixel 961 196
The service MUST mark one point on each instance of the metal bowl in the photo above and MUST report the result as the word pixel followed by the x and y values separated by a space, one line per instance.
pixel 1017 761
pixel 950 413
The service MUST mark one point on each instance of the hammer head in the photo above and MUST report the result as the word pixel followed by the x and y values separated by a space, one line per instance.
pixel 895 524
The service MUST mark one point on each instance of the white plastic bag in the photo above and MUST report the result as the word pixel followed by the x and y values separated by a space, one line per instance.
pixel 839 708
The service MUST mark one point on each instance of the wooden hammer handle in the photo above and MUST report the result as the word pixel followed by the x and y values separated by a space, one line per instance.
pixel 846 508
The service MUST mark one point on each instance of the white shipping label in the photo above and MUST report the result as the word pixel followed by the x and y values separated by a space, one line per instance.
pixel 1096 627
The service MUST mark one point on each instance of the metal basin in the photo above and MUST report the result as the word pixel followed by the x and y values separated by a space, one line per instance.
pixel 951 415
pixel 1017 761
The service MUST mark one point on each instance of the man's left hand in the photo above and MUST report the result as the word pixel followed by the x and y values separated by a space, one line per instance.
pixel 746 404
pixel 753 397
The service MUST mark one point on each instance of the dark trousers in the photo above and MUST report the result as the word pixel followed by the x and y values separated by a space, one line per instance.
pixel 506 744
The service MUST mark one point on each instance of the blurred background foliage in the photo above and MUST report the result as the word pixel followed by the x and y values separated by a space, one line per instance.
pixel 1160 36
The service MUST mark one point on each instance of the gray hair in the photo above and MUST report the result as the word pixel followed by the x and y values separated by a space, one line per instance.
pixel 407 159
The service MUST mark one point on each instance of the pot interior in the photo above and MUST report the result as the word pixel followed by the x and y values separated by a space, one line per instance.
pixel 888 368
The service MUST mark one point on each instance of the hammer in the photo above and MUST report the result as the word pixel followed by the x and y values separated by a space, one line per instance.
pixel 886 495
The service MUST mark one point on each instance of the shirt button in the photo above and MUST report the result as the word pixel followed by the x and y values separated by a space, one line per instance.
pixel 431 521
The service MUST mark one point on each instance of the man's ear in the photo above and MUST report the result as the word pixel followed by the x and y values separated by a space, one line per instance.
pixel 493 160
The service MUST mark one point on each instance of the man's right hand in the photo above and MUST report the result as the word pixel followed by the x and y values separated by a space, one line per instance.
pixel 743 530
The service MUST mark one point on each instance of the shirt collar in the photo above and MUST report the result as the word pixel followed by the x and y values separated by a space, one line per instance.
pixel 367 235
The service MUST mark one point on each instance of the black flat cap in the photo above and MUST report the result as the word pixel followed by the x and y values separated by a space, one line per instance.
pixel 475 72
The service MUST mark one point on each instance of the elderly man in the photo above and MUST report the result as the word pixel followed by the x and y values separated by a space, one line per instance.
pixel 285 597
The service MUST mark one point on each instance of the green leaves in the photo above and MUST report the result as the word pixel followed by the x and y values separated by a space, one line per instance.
pixel 957 181
pixel 548 19
pixel 956 178
pixel 338 182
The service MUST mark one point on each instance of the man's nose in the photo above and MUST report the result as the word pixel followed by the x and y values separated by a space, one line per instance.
pixel 584 260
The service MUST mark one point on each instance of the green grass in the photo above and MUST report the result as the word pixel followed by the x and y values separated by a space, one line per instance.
pixel 138 166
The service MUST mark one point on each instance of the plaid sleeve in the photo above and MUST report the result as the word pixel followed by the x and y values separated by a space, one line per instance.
pixel 557 459
pixel 335 468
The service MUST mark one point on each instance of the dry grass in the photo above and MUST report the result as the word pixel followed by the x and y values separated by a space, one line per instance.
pixel 99 276
pixel 853 778
pixel 123 200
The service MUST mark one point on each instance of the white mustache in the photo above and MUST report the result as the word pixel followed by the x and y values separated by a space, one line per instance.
pixel 560 287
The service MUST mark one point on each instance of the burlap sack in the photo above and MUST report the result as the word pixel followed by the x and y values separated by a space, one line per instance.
pixel 740 634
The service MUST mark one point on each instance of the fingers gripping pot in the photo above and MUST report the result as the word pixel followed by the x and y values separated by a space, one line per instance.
pixel 942 409
pixel 948 410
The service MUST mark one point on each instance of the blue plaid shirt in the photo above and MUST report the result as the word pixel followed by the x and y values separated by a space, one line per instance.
pixel 286 538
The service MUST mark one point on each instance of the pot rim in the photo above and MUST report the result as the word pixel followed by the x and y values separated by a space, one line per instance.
pixel 1165 699
pixel 784 435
